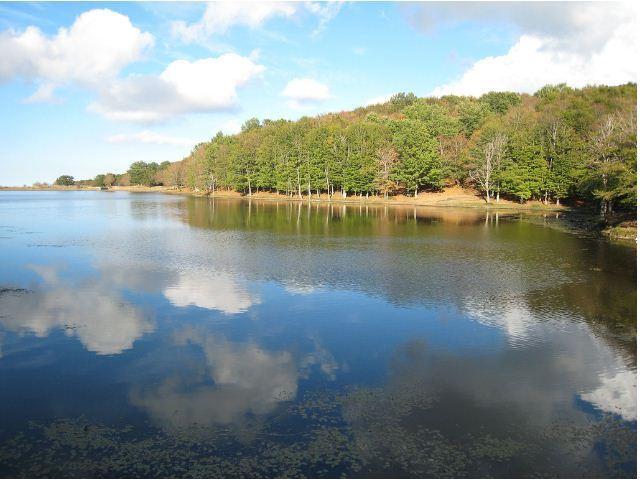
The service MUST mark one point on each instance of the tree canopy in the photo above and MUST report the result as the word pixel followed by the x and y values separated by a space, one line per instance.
pixel 65 180
pixel 558 144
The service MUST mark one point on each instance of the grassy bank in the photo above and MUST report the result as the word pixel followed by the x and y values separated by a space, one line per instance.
pixel 621 227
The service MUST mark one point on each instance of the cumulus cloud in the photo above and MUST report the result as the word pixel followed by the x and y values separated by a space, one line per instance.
pixel 578 25
pixel 93 311
pixel 214 291
pixel 149 137
pixel 572 42
pixel 302 92
pixel 219 17
pixel 529 65
pixel 97 46
pixel 205 85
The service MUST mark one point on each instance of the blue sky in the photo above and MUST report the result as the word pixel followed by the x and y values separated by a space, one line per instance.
pixel 91 87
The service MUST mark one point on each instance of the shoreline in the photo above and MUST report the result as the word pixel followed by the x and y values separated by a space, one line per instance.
pixel 621 230
pixel 463 199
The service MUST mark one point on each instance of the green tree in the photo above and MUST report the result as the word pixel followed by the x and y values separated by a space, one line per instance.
pixel 419 165
pixel 472 115
pixel 402 99
pixel 559 150
pixel 500 102
pixel 142 173
pixel 65 180
pixel 612 165
pixel 99 180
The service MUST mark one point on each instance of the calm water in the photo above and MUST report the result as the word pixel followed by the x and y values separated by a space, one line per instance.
pixel 154 335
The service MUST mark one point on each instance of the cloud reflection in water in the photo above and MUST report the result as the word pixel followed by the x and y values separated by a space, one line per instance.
pixel 214 291
pixel 237 380
pixel 92 310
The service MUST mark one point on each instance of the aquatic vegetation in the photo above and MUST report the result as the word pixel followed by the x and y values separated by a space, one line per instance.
pixel 357 432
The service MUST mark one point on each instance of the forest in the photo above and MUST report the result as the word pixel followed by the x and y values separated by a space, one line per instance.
pixel 558 145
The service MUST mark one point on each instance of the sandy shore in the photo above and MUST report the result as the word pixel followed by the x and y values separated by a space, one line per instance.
pixel 454 197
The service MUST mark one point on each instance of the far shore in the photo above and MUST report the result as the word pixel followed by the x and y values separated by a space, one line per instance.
pixel 453 197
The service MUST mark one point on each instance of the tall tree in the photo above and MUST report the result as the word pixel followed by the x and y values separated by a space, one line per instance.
pixel 488 161
pixel 419 165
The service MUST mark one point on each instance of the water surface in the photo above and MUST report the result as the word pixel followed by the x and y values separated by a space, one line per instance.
pixel 155 335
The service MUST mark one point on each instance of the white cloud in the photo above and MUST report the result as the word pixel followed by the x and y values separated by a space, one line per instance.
pixel 325 11
pixel 579 44
pixel 149 137
pixel 205 85
pixel 219 17
pixel 378 100
pixel 580 26
pixel 302 92
pixel 219 291
pixel 529 65
pixel 44 93
pixel 233 126
pixel 93 50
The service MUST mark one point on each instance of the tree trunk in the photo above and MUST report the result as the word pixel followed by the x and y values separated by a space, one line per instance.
pixel 497 199
pixel 327 182
pixel 415 191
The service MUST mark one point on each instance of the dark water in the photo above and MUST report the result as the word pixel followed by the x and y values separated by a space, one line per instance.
pixel 152 335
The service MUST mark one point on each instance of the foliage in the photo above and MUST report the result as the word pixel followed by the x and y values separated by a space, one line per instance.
pixel 558 144
pixel 65 180
pixel 143 173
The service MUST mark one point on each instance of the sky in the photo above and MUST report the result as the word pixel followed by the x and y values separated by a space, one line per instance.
pixel 90 87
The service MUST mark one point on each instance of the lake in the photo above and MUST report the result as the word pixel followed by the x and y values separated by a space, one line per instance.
pixel 156 335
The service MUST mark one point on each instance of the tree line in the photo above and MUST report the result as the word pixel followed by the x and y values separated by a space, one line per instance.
pixel 558 144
